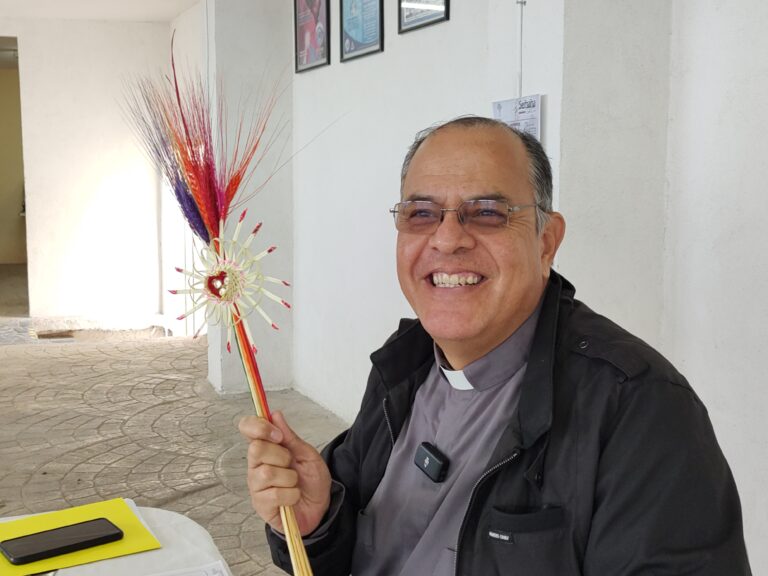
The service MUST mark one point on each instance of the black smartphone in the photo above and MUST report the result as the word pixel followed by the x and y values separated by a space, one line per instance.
pixel 49 543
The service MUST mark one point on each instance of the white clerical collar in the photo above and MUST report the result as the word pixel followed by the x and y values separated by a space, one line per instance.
pixel 457 379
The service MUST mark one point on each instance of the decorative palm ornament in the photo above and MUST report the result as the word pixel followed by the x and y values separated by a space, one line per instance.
pixel 176 128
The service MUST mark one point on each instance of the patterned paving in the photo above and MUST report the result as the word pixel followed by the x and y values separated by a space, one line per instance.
pixel 16 331
pixel 87 421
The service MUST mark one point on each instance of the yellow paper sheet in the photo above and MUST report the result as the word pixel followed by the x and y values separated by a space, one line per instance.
pixel 136 538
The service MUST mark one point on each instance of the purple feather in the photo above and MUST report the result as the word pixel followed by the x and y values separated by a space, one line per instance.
pixel 190 211
pixel 149 110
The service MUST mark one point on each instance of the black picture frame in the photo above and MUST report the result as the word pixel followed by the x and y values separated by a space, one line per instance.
pixel 410 17
pixel 359 33
pixel 311 34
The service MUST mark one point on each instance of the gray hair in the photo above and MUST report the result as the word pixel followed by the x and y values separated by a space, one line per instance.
pixel 539 169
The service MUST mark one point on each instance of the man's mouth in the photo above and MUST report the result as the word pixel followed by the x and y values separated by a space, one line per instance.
pixel 444 280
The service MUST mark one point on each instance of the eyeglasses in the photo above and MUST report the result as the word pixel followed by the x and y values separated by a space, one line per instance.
pixel 480 216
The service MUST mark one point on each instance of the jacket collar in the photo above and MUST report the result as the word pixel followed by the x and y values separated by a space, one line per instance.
pixel 536 391
pixel 411 348
pixel 404 353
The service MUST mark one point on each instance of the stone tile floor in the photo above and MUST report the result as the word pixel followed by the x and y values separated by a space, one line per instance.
pixel 16 331
pixel 91 420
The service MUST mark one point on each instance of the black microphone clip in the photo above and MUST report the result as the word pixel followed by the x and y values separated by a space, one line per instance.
pixel 431 461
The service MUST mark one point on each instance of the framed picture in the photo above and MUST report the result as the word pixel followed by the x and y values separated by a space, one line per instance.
pixel 311 29
pixel 419 13
pixel 362 28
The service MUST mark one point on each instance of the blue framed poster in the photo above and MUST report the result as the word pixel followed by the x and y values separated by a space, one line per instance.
pixel 362 28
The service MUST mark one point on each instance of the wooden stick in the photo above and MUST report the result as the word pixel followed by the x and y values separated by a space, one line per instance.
pixel 298 553
pixel 299 560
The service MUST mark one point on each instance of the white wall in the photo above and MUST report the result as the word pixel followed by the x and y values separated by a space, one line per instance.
pixel 251 46
pixel 716 313
pixel 542 65
pixel 177 242
pixel 190 33
pixel 614 118
pixel 92 199
pixel 357 119
pixel 659 173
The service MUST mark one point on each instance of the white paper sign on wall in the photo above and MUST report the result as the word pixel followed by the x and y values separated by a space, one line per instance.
pixel 523 113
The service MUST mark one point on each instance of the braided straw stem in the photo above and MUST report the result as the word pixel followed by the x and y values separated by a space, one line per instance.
pixel 298 553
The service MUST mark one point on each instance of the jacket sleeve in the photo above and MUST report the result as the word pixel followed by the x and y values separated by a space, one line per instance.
pixel 665 498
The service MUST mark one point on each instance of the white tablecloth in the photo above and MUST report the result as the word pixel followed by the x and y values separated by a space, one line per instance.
pixel 187 549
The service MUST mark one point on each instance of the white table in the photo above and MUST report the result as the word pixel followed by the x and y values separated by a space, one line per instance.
pixel 187 549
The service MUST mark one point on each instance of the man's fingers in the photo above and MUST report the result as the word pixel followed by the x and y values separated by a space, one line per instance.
pixel 263 452
pixel 270 488
pixel 266 501
pixel 255 428
pixel 290 439
pixel 278 431
pixel 265 477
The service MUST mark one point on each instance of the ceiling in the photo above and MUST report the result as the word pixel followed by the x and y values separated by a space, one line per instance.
pixel 113 10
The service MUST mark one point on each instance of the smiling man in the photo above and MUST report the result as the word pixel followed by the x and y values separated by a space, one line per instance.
pixel 473 284
pixel 509 429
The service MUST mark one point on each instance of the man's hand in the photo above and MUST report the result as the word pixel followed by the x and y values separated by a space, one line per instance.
pixel 283 470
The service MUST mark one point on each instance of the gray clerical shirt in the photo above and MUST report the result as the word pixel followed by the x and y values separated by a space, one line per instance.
pixel 411 525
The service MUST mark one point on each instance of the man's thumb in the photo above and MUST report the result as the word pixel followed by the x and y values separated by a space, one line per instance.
pixel 290 439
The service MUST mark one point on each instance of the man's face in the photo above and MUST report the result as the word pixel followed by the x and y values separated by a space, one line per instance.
pixel 510 266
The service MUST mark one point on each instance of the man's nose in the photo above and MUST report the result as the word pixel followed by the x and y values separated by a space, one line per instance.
pixel 450 235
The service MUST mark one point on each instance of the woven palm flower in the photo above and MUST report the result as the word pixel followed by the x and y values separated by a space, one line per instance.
pixel 230 283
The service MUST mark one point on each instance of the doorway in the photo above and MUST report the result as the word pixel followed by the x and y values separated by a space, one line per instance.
pixel 14 292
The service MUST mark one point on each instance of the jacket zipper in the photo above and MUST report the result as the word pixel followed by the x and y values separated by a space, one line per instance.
pixel 480 480
pixel 389 424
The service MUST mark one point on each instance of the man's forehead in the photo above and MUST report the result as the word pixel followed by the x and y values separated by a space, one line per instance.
pixel 461 136
pixel 461 150
pixel 474 162
pixel 439 197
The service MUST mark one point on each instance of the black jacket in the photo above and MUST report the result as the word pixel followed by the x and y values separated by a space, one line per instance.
pixel 609 467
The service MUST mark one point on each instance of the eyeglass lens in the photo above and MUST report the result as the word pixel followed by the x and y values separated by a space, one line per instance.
pixel 421 216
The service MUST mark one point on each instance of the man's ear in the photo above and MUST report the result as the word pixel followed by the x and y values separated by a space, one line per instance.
pixel 551 237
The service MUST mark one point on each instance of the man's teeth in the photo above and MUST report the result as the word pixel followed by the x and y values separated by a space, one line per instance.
pixel 443 280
